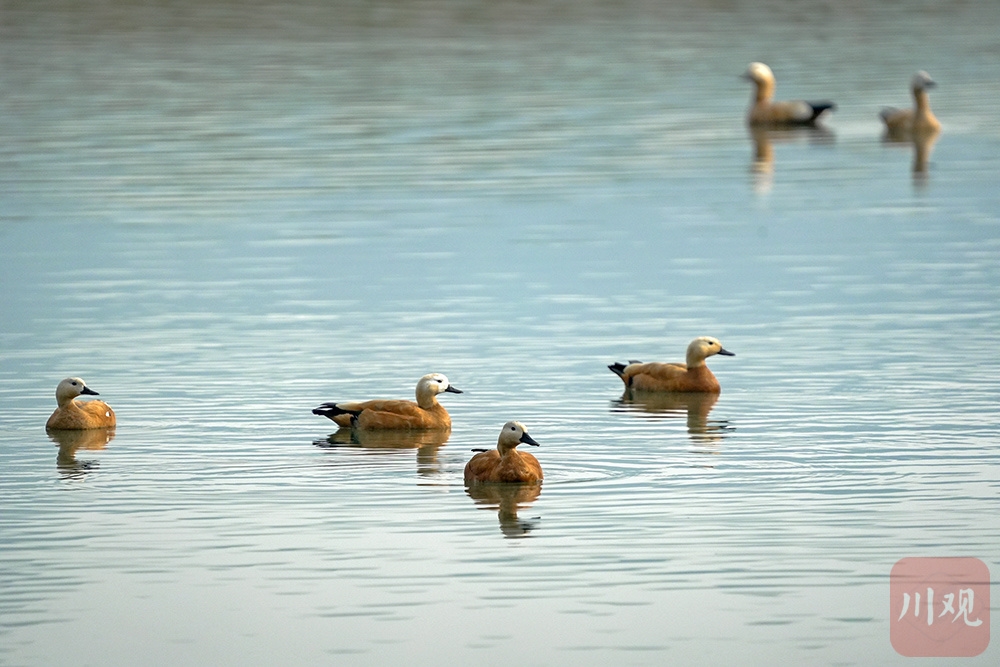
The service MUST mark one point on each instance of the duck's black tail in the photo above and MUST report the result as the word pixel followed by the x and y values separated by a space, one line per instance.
pixel 331 410
pixel 819 108
pixel 619 368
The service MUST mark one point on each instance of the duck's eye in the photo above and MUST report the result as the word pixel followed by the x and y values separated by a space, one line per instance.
pixel 73 383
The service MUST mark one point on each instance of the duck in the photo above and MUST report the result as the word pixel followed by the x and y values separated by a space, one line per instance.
pixel 426 413
pixel 506 463
pixel 920 120
pixel 765 112
pixel 73 415
pixel 692 376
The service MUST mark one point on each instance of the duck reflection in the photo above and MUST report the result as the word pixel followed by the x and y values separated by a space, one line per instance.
pixel 426 442
pixel 70 442
pixel 694 406
pixel 764 139
pixel 923 145
pixel 507 499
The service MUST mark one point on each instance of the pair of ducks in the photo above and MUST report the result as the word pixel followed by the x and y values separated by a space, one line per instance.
pixel 503 464
pixel 899 123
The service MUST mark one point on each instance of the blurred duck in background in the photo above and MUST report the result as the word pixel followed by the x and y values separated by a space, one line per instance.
pixel 904 124
pixel 765 112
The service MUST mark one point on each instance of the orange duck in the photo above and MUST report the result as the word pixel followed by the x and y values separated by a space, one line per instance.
pixel 73 415
pixel 692 376
pixel 426 413
pixel 506 463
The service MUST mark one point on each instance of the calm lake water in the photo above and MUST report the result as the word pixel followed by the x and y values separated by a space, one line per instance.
pixel 221 215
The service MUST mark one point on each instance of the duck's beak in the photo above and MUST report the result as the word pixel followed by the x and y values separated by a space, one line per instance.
pixel 528 440
pixel 87 390
pixel 452 390
pixel 726 353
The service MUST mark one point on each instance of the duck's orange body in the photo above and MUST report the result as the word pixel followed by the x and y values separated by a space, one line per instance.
pixel 765 112
pixel 392 414
pixel 915 122
pixel 73 415
pixel 669 377
pixel 694 376
pixel 425 413
pixel 505 464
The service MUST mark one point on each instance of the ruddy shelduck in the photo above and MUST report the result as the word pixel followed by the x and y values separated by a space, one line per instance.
pixel 426 413
pixel 506 463
pixel 693 376
pixel 79 415
pixel 765 112
pixel 920 120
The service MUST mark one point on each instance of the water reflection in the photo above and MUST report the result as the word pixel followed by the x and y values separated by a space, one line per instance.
pixel 70 442
pixel 507 499
pixel 694 406
pixel 426 443
pixel 923 146
pixel 764 138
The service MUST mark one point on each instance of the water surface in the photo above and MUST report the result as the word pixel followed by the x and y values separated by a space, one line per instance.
pixel 221 216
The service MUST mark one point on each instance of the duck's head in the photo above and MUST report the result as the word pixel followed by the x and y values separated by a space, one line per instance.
pixel 703 347
pixel 433 384
pixel 759 73
pixel 921 81
pixel 70 388
pixel 512 435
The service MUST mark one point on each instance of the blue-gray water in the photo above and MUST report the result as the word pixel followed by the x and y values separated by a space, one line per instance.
pixel 221 215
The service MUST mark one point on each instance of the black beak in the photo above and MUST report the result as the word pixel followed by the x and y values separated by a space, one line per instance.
pixel 452 390
pixel 726 353
pixel 87 390
pixel 528 440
